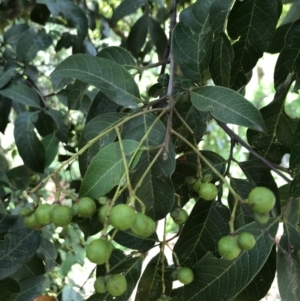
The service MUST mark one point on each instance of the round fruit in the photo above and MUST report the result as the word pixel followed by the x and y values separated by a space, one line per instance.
pixel 122 217
pixel 25 211
pixel 190 180
pixel 103 200
pixel 30 221
pixel 61 215
pixel 228 247
pixel 116 285
pixel 246 241
pixel 143 225
pixel 179 216
pixel 43 214
pixel 206 178
pixel 196 185
pixel 261 218
pixel 74 209
pixel 100 285
pixel 208 191
pixel 102 213
pixel 261 200
pixel 35 178
pixel 86 207
pixel 185 275
pixel 99 250
pixel 163 298
pixel 174 275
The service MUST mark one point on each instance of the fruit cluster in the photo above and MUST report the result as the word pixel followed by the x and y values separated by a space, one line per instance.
pixel 115 284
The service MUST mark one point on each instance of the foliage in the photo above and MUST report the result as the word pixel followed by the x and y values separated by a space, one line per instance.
pixel 82 126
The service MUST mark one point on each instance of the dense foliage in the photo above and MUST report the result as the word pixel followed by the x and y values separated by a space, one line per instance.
pixel 91 159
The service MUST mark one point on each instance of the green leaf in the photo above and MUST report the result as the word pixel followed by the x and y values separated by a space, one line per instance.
pixel 288 60
pixel 7 72
pixel 288 266
pixel 48 253
pixel 50 144
pixel 19 177
pixel 137 36
pixel 278 39
pixel 253 32
pixel 21 94
pixel 10 289
pixel 156 191
pixel 150 284
pixel 32 287
pixel 90 226
pixel 31 42
pixel 192 40
pixel 92 129
pixel 5 108
pixel 71 12
pixel 76 93
pixel 197 237
pixel 29 146
pixel 214 276
pixel 127 7
pixel 218 15
pixel 222 56
pixel 119 55
pixel 227 106
pixel 195 119
pixel 112 79
pixel 61 127
pixel 129 240
pixel 18 246
pixel 12 35
pixel 106 169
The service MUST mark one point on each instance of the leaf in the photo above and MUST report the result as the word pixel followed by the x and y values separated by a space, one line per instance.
pixel 76 93
pixel 18 246
pixel 206 225
pixel 5 107
pixel 106 169
pixel 288 60
pixel 127 7
pixel 156 190
pixel 218 15
pixel 7 72
pixel 31 42
pixel 214 276
pixel 278 40
pixel 21 94
pixel 71 12
pixel 138 34
pixel 92 129
pixel 61 128
pixel 10 289
pixel 227 106
pixel 29 146
pixel 12 35
pixel 112 79
pixel 129 240
pixel 150 284
pixel 50 144
pixel 19 177
pixel 90 226
pixel 261 283
pixel 222 56
pixel 288 266
pixel 32 287
pixel 192 40
pixel 119 55
pixel 48 253
pixel 253 33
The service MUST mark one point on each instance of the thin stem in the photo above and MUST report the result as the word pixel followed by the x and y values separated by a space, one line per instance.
pixel 162 250
pixel 149 66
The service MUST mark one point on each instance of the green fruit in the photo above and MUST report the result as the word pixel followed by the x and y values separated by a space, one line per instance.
pixel 246 241
pixel 102 213
pixel 174 275
pixel 30 221
pixel 122 217
pixel 98 251
pixel 43 214
pixel 86 207
pixel 207 178
pixel 100 285
pixel 61 215
pixel 261 218
pixel 185 275
pixel 179 216
pixel 228 247
pixel 103 200
pixel 74 209
pixel 163 298
pixel 190 180
pixel 116 285
pixel 208 191
pixel 25 211
pixel 261 200
pixel 35 178
pixel 143 225
pixel 196 185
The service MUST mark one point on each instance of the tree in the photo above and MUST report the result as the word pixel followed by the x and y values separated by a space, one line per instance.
pixel 122 157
